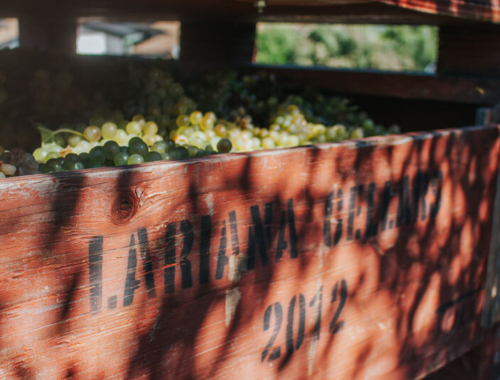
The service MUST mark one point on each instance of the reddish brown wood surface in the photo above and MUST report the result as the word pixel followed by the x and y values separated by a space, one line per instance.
pixel 343 261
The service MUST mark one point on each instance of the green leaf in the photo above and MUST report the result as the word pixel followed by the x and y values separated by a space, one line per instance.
pixel 48 135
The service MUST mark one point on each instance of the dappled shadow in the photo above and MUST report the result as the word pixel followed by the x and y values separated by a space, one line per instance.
pixel 480 10
pixel 364 259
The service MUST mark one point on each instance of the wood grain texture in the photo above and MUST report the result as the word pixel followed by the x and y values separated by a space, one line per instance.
pixel 364 259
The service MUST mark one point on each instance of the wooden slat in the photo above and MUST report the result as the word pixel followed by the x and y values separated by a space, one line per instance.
pixel 227 11
pixel 416 115
pixel 342 261
pixel 491 308
pixel 478 10
pixel 400 85
pixel 48 33
pixel 474 50
pixel 472 9
pixel 357 13
pixel 215 44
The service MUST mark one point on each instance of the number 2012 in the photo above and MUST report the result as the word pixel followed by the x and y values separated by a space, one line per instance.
pixel 291 346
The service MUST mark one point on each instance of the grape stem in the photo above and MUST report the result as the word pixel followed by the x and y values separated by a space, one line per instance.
pixel 48 135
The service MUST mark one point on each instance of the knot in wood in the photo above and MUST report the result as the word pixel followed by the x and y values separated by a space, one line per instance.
pixel 124 207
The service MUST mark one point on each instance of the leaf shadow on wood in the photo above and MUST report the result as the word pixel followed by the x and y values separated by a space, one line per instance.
pixel 393 268
pixel 420 278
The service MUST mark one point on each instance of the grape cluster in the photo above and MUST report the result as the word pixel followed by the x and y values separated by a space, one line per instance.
pixel 196 134
pixel 129 112
pixel 129 143
pixel 16 163
pixel 174 129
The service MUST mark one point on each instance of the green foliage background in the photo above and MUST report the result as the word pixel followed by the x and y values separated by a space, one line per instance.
pixel 384 47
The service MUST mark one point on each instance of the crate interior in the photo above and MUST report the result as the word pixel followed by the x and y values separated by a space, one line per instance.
pixel 219 34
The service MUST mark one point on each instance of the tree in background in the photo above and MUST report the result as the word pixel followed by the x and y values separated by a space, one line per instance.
pixel 381 47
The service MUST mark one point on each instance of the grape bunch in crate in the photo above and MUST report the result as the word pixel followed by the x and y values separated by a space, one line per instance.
pixel 164 117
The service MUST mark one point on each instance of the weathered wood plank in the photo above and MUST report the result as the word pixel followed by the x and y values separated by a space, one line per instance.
pixel 442 88
pixel 346 261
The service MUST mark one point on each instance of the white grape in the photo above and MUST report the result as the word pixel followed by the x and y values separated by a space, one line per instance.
pixel 73 140
pixel 121 137
pixel 84 145
pixel 40 154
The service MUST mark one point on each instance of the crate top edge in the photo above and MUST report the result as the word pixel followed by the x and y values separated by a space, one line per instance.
pixel 114 172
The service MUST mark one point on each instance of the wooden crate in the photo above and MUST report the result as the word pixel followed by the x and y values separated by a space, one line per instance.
pixel 365 259
pixel 219 33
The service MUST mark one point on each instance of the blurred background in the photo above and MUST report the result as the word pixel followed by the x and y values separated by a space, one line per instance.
pixel 379 47
pixel 382 47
